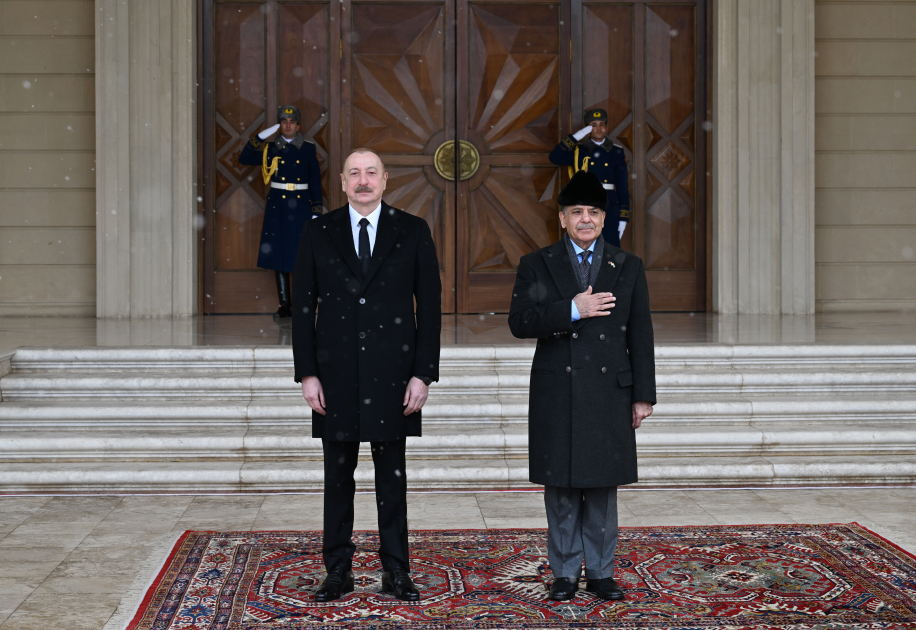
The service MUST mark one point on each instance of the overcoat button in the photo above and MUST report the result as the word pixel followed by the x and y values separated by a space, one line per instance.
pixel 604 370
pixel 362 335
pixel 601 336
pixel 568 369
pixel 362 300
pixel 575 335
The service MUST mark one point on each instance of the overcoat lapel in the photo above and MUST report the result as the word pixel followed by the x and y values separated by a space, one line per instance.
pixel 385 236
pixel 343 239
pixel 557 259
pixel 596 262
pixel 611 266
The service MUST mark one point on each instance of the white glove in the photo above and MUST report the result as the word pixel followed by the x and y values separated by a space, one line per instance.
pixel 264 135
pixel 621 226
pixel 582 132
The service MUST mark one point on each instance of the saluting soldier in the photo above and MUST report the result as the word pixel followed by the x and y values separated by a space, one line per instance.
pixel 290 165
pixel 589 150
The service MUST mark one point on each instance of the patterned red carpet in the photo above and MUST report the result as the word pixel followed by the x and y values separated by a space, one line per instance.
pixel 757 577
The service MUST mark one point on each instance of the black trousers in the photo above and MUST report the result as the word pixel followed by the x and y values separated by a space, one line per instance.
pixel 340 460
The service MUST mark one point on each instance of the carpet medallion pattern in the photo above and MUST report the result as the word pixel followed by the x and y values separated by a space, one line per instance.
pixel 755 577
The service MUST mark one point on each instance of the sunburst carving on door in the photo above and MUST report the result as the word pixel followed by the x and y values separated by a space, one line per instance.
pixel 398 82
pixel 514 95
pixel 515 212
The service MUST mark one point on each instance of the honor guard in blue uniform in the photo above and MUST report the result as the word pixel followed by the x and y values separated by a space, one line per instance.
pixel 289 164
pixel 589 150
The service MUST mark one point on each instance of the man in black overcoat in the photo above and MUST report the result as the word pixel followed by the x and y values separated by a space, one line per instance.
pixel 289 166
pixel 592 384
pixel 365 359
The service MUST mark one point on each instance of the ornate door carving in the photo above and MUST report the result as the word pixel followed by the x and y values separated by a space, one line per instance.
pixel 513 65
pixel 645 64
pixel 463 100
pixel 247 46
pixel 400 97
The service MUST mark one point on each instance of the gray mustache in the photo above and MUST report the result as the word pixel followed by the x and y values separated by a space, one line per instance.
pixel 363 189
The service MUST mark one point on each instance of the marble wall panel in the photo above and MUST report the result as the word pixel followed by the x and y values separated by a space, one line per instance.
pixel 47 93
pixel 866 155
pixel 47 157
pixel 63 131
pixel 865 170
pixel 866 58
pixel 865 243
pixel 47 169
pixel 41 55
pixel 47 246
pixel 53 208
pixel 47 286
pixel 844 206
pixel 48 17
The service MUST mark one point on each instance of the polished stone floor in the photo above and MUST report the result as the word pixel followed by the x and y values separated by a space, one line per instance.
pixel 259 330
pixel 65 562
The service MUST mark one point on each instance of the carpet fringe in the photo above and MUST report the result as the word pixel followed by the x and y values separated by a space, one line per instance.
pixel 131 600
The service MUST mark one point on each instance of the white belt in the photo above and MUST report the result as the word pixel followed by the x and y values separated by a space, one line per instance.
pixel 608 186
pixel 289 186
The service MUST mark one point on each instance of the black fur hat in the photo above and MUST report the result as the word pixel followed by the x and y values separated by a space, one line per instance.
pixel 584 189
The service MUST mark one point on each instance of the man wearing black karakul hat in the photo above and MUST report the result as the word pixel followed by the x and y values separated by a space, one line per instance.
pixel 592 384
pixel 589 149
pixel 289 166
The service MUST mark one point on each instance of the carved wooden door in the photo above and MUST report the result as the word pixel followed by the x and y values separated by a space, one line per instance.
pixel 399 100
pixel 256 56
pixel 512 66
pixel 462 100
pixel 645 63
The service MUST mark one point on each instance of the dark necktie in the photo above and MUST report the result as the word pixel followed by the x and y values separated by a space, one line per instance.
pixel 584 268
pixel 364 253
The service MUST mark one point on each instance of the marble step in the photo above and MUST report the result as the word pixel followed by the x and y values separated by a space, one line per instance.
pixel 75 385
pixel 473 358
pixel 456 474
pixel 456 412
pixel 439 442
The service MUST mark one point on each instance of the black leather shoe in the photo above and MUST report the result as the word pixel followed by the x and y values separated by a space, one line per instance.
pixel 338 582
pixel 399 584
pixel 605 588
pixel 563 589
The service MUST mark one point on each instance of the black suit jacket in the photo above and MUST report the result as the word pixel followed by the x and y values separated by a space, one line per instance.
pixel 359 335
pixel 586 374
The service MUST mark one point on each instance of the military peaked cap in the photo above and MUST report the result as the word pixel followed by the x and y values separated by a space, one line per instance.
pixel 289 111
pixel 584 189
pixel 595 115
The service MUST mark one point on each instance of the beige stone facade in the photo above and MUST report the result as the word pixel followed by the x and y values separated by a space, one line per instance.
pixel 47 157
pixel 857 204
pixel 866 155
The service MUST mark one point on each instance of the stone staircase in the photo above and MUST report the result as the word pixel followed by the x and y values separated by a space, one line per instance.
pixel 230 419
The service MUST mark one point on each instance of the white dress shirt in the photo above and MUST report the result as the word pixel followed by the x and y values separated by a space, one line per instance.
pixel 591 248
pixel 372 228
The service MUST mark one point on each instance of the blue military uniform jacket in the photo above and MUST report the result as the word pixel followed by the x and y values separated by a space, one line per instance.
pixel 609 163
pixel 287 211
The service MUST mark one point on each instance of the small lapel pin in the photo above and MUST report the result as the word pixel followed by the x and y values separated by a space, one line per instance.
pixel 611 263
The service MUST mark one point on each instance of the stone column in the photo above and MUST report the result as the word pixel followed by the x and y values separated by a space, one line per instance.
pixel 763 156
pixel 146 157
